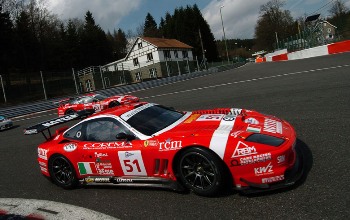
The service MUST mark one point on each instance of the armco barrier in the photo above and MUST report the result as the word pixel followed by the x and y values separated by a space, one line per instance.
pixel 339 47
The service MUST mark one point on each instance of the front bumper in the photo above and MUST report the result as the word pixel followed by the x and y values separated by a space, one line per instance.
pixel 291 176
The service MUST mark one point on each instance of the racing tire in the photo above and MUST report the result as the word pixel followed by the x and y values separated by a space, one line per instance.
pixel 69 112
pixel 201 171
pixel 62 172
pixel 113 104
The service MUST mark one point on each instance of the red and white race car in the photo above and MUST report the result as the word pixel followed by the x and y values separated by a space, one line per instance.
pixel 206 151
pixel 94 101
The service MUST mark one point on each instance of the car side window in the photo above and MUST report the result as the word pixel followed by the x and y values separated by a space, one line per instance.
pixel 104 130
pixel 76 133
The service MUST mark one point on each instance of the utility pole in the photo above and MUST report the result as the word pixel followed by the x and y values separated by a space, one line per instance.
pixel 203 52
pixel 223 30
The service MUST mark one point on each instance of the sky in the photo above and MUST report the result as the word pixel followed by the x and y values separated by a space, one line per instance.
pixel 239 16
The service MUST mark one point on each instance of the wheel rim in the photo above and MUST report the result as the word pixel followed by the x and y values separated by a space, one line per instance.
pixel 198 171
pixel 62 171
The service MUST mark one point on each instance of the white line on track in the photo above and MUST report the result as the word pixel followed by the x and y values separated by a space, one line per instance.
pixel 43 209
pixel 245 81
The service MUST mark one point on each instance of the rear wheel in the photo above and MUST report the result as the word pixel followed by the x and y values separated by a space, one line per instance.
pixel 113 104
pixel 201 171
pixel 69 112
pixel 62 172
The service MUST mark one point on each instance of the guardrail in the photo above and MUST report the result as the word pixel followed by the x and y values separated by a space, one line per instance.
pixel 29 108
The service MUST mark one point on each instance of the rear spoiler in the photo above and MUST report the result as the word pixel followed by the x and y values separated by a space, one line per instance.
pixel 46 125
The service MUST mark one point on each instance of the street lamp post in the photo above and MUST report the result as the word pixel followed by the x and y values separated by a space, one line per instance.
pixel 223 30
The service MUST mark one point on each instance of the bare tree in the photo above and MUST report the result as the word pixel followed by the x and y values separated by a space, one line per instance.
pixel 338 9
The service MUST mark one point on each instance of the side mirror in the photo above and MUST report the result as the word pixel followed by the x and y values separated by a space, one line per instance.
pixel 123 136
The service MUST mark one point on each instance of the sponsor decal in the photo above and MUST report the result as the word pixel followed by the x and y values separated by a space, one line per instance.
pixel 253 129
pixel 31 131
pixel 89 180
pixel 43 164
pixel 281 159
pixel 210 117
pixel 104 168
pixel 264 170
pixel 235 111
pixel 101 154
pixel 78 134
pixel 108 145
pixel 272 126
pixel 272 179
pixel 236 133
pixel 99 160
pixel 102 180
pixel 229 118
pixel 150 143
pixel 70 147
pixel 43 169
pixel 234 163
pixel 60 120
pixel 255 159
pixel 87 168
pixel 243 149
pixel 42 153
pixel 251 121
pixel 132 163
pixel 131 113
pixel 170 145
pixel 192 118
pixel 122 180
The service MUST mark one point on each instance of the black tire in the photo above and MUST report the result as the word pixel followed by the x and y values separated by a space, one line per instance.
pixel 201 171
pixel 62 172
pixel 69 112
pixel 113 104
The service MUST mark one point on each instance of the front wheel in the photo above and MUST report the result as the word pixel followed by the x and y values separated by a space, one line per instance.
pixel 201 171
pixel 113 104
pixel 62 172
pixel 69 112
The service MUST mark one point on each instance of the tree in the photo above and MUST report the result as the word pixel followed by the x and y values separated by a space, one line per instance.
pixel 150 27
pixel 6 43
pixel 273 20
pixel 340 17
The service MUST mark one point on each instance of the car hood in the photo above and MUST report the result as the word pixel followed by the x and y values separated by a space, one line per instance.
pixel 243 123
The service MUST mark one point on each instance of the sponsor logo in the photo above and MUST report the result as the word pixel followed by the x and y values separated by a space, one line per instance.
pixel 42 153
pixel 243 149
pixel 272 126
pixel 234 163
pixel 89 180
pixel 255 159
pixel 128 154
pixel 150 143
pixel 102 180
pixel 264 170
pixel 31 131
pixel 109 145
pixel 43 169
pixel 101 154
pixel 235 111
pixel 272 179
pixel 251 121
pixel 43 164
pixel 70 147
pixel 211 117
pixel 236 133
pixel 170 145
pixel 192 118
pixel 121 180
pixel 281 159
pixel 229 118
pixel 60 120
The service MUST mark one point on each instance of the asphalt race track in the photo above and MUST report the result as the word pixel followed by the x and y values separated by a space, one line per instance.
pixel 312 94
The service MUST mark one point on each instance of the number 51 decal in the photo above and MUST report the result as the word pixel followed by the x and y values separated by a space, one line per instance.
pixel 132 163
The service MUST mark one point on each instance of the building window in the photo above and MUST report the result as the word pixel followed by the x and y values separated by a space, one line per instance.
pixel 88 85
pixel 184 54
pixel 176 54
pixel 139 45
pixel 136 61
pixel 167 54
pixel 149 57
pixel 138 76
pixel 153 73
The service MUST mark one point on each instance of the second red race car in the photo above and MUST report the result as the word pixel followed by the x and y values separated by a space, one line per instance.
pixel 94 101
pixel 205 151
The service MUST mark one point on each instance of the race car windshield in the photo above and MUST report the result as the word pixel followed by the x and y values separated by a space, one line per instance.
pixel 153 119
pixel 100 97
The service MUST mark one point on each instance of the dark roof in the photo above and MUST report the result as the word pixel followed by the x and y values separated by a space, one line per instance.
pixel 166 43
